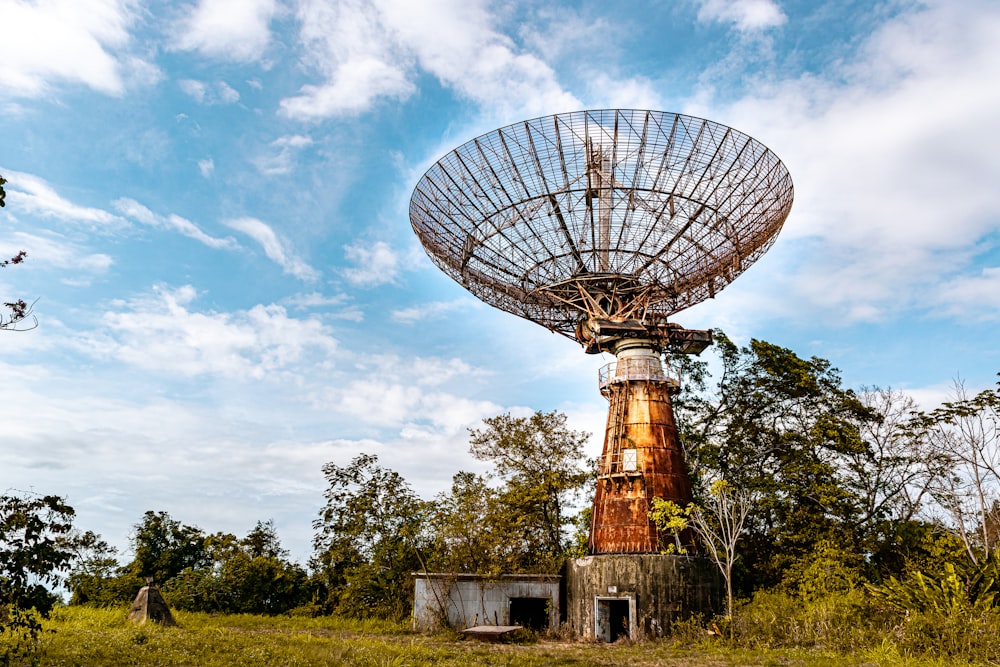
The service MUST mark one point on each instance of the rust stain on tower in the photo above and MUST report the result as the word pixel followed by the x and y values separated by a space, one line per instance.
pixel 642 459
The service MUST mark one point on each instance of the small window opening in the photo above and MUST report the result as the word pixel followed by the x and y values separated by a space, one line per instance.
pixel 630 460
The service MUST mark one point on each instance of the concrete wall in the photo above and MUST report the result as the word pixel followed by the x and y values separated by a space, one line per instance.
pixel 471 600
pixel 660 589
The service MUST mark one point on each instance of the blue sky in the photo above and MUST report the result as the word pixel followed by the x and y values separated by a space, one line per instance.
pixel 213 197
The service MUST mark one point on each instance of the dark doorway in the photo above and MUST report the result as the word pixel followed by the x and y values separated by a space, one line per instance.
pixel 613 619
pixel 530 613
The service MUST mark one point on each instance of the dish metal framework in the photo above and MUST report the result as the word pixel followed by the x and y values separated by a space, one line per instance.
pixel 615 214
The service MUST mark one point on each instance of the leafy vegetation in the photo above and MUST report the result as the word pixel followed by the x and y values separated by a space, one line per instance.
pixel 20 310
pixel 35 550
pixel 844 523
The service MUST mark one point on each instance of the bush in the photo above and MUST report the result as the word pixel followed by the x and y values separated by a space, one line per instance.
pixel 837 621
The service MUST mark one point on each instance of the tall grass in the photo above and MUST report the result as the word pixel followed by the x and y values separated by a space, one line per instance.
pixel 854 623
pixel 771 629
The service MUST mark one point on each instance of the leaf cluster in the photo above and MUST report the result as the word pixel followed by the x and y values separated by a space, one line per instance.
pixel 36 549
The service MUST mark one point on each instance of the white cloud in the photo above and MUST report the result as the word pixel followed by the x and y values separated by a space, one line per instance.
pixel 376 264
pixel 56 251
pixel 161 332
pixel 345 310
pixel 76 41
pixel 894 155
pixel 432 310
pixel 34 195
pixel 227 94
pixel 233 30
pixel 191 230
pixel 136 211
pixel 347 43
pixel 367 50
pixel 206 167
pixel 390 404
pixel 276 248
pixel 975 297
pixel 283 160
pixel 744 15
pixel 203 93
pixel 193 89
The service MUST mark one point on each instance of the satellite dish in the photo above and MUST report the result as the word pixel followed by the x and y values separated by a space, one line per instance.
pixel 615 215
pixel 599 225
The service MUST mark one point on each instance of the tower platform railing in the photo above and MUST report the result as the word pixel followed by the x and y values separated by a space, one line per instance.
pixel 650 369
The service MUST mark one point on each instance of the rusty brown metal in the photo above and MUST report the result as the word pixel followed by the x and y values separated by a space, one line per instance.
pixel 617 214
pixel 640 418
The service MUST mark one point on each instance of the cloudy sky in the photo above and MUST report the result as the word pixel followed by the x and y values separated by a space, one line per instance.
pixel 213 197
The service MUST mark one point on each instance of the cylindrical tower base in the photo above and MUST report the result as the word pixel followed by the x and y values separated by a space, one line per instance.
pixel 641 459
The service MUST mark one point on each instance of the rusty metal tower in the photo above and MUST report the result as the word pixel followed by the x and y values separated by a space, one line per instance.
pixel 599 225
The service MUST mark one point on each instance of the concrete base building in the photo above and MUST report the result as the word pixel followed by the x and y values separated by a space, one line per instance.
pixel 605 598
pixel 467 600
pixel 637 596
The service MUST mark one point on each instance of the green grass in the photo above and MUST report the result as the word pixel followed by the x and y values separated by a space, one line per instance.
pixel 85 636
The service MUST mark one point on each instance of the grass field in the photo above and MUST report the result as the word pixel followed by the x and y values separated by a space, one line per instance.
pixel 105 637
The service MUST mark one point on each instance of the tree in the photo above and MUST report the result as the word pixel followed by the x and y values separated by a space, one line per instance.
pixel 539 458
pixel 369 537
pixel 263 540
pixel 890 474
pixel 94 578
pixel 784 428
pixel 164 547
pixel 719 521
pixel 475 530
pixel 965 435
pixel 20 310
pixel 36 549
pixel 246 576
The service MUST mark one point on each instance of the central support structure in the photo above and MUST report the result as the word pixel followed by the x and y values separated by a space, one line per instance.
pixel 642 457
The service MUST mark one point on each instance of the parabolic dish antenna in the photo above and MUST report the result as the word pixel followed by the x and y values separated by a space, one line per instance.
pixel 613 215
pixel 599 225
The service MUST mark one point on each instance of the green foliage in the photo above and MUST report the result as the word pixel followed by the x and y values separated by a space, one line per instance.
pixel 539 459
pixel 244 576
pixel 240 584
pixel 671 520
pixel 164 547
pixel 955 591
pixel 221 573
pixel 579 545
pixel 944 595
pixel 719 523
pixel 36 548
pixel 374 531
pixel 475 530
pixel 96 579
pixel 951 612
pixel 964 436
pixel 843 622
pixel 369 537
pixel 829 570
pixel 782 428
pixel 87 636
